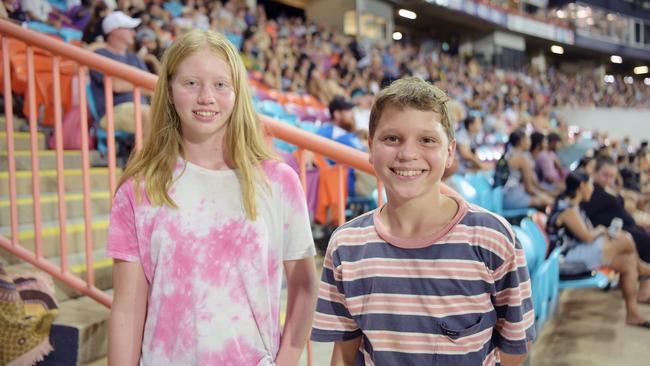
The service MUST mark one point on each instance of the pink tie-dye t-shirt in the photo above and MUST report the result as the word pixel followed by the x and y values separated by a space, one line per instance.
pixel 215 277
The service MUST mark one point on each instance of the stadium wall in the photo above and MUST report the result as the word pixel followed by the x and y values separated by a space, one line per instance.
pixel 617 122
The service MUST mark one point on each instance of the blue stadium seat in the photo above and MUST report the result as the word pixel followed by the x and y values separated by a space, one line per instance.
pixel 102 146
pixel 537 271
pixel 497 206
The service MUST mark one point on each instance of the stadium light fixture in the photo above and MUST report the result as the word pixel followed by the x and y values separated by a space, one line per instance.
pixel 646 81
pixel 397 36
pixel 609 79
pixel 616 59
pixel 407 14
pixel 557 49
pixel 639 70
pixel 628 80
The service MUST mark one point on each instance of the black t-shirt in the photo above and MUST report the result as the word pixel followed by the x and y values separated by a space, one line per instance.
pixel 603 207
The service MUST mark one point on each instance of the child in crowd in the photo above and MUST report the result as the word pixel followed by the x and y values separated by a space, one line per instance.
pixel 203 224
pixel 426 279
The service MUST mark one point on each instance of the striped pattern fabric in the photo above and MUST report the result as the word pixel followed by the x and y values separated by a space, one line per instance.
pixel 451 302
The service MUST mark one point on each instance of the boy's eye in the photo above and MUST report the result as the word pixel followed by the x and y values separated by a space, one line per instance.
pixel 391 139
pixel 428 140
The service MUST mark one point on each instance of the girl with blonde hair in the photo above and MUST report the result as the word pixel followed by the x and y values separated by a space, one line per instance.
pixel 204 222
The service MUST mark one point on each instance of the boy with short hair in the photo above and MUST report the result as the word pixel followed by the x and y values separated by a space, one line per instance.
pixel 426 279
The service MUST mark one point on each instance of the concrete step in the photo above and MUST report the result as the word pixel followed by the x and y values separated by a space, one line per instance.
pixel 49 203
pixel 100 205
pixel 73 181
pixel 79 333
pixel 75 229
pixel 18 123
pixel 47 159
pixel 102 265
pixel 22 141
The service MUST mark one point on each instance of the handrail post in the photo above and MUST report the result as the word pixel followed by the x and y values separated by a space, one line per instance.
pixel 85 165
pixel 110 132
pixel 138 118
pixel 33 134
pixel 9 124
pixel 60 176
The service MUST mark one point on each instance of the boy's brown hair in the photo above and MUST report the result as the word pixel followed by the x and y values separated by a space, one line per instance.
pixel 413 92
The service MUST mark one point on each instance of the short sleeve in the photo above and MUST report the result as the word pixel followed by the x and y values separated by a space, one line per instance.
pixel 122 238
pixel 332 320
pixel 515 315
pixel 298 239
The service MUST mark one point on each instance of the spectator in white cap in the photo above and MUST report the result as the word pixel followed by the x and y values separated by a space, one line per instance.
pixel 119 32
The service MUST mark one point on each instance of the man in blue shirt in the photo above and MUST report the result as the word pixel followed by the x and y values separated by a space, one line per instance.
pixel 119 30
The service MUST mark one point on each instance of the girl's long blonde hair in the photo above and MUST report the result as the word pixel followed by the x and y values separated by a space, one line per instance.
pixel 154 164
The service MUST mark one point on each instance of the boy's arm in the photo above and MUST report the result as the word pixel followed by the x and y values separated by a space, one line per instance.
pixel 128 313
pixel 345 352
pixel 508 359
pixel 513 303
pixel 301 301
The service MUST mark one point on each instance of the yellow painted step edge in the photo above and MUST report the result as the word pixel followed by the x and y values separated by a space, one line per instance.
pixel 99 264
pixel 52 172
pixel 55 198
pixel 21 134
pixel 70 229
pixel 21 153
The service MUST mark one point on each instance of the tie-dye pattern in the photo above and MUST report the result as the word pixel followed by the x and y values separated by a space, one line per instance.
pixel 215 277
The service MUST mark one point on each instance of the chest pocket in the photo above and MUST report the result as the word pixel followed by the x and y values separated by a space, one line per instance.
pixel 464 345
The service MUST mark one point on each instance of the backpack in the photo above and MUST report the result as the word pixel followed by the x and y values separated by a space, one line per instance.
pixel 71 127
pixel 501 171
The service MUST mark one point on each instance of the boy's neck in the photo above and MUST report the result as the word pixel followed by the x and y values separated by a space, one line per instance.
pixel 419 218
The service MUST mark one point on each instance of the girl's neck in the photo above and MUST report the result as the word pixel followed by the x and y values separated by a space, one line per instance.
pixel 210 154
pixel 576 200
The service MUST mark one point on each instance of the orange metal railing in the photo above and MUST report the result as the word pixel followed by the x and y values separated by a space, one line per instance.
pixel 59 52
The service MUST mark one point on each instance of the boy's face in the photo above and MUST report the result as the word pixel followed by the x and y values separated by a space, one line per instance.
pixel 410 152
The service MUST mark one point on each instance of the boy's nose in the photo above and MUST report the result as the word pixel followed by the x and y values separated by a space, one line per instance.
pixel 406 153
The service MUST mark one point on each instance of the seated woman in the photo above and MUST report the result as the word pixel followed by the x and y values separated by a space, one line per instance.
pixel 522 189
pixel 570 229
pixel 606 203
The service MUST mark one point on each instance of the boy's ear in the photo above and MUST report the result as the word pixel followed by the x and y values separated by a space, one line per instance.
pixel 451 150
pixel 370 150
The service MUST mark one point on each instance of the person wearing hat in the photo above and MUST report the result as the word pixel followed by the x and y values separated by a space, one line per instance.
pixel 119 32
pixel 342 119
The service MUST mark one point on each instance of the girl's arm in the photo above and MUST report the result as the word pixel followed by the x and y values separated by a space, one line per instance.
pixel 128 313
pixel 574 222
pixel 301 301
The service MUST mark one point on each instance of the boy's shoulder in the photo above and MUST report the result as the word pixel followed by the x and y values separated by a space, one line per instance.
pixel 355 230
pixel 479 218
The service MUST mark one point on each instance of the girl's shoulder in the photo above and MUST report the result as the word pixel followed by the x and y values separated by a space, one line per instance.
pixel 277 170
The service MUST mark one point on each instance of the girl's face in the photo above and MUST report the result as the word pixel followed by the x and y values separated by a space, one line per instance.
pixel 203 95
pixel 586 190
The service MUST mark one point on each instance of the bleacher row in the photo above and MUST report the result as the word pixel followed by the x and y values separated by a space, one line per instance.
pixel 543 267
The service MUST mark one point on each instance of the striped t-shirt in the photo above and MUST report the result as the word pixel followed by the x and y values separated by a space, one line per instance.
pixel 450 299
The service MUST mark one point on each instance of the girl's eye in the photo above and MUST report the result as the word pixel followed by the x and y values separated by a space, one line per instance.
pixel 221 85
pixel 190 83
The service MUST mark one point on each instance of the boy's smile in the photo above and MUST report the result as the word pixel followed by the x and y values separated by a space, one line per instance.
pixel 410 151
